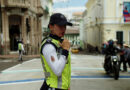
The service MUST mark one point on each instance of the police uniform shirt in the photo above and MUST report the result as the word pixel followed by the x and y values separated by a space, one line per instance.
pixel 56 63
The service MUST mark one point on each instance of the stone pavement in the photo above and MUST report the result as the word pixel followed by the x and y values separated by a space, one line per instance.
pixel 87 74
pixel 7 61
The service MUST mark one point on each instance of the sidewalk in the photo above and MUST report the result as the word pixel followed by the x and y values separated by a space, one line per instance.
pixel 16 56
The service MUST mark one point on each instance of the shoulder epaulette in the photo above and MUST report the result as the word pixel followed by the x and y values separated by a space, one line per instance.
pixel 48 41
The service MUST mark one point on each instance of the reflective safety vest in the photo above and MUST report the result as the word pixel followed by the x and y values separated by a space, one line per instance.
pixel 19 46
pixel 62 82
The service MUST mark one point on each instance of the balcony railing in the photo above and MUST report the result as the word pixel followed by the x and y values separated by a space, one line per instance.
pixel 34 7
pixel 17 3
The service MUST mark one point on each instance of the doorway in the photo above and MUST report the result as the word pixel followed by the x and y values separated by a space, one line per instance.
pixel 119 36
pixel 14 34
pixel 14 31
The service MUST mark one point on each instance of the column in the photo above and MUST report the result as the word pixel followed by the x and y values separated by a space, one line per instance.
pixel 5 29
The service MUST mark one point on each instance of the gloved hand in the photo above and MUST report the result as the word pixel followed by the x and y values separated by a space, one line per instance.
pixel 65 44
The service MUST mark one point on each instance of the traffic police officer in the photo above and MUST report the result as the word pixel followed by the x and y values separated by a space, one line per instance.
pixel 55 55
pixel 21 49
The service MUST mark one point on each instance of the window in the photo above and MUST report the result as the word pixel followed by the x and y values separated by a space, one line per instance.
pixel 119 36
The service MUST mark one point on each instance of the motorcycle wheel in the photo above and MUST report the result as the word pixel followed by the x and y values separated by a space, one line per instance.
pixel 106 68
pixel 116 72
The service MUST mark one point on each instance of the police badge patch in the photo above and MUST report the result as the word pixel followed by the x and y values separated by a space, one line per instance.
pixel 52 58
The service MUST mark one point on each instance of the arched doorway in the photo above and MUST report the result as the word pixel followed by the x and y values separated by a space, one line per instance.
pixel 14 31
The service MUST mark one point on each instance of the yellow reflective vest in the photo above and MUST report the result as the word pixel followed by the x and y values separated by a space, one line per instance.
pixel 62 82
pixel 19 46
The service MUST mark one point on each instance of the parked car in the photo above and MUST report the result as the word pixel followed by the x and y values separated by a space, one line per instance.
pixel 74 49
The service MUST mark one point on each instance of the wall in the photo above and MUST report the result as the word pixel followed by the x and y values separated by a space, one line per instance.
pixel 104 18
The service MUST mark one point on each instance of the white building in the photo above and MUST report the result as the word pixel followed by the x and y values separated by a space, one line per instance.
pixel 105 21
pixel 83 28
pixel 47 5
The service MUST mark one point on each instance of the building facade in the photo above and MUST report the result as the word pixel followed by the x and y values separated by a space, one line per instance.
pixel 83 29
pixel 73 33
pixel 20 20
pixel 107 20
pixel 47 5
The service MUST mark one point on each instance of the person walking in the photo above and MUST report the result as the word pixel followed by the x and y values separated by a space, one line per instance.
pixel 21 50
pixel 55 56
pixel 122 58
pixel 127 54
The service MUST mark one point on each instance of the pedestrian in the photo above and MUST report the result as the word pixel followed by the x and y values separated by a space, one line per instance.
pixel 122 58
pixel 127 54
pixel 21 50
pixel 104 46
pixel 55 55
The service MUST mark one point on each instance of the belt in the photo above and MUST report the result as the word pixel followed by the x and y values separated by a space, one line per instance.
pixel 47 87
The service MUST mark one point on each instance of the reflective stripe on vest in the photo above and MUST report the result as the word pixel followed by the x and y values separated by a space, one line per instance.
pixel 62 82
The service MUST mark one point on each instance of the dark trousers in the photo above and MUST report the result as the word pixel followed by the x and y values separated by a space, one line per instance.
pixel 46 87
pixel 128 60
pixel 107 63
pixel 20 55
pixel 122 60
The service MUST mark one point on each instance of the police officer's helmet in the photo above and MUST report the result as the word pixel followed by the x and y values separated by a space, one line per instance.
pixel 111 42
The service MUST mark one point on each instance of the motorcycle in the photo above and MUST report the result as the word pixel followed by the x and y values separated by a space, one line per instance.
pixel 112 66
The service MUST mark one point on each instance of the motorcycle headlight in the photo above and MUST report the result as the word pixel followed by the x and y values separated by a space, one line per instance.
pixel 114 60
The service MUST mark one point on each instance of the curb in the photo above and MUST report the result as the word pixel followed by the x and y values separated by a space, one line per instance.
pixel 16 56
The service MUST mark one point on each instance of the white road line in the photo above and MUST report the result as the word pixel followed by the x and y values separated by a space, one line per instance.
pixel 21 83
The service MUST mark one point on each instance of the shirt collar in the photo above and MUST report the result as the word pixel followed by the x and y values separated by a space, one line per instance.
pixel 56 37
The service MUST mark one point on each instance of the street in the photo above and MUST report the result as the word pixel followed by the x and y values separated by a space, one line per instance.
pixel 87 74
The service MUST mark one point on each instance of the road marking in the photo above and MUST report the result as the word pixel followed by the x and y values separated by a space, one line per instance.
pixel 86 68
pixel 21 71
pixel 41 70
pixel 105 76
pixel 72 77
pixel 21 81
pixel 86 57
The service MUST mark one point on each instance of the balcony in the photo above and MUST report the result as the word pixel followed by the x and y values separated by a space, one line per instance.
pixel 17 3
pixel 40 11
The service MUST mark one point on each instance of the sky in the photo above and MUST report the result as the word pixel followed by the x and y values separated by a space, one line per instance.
pixel 69 6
